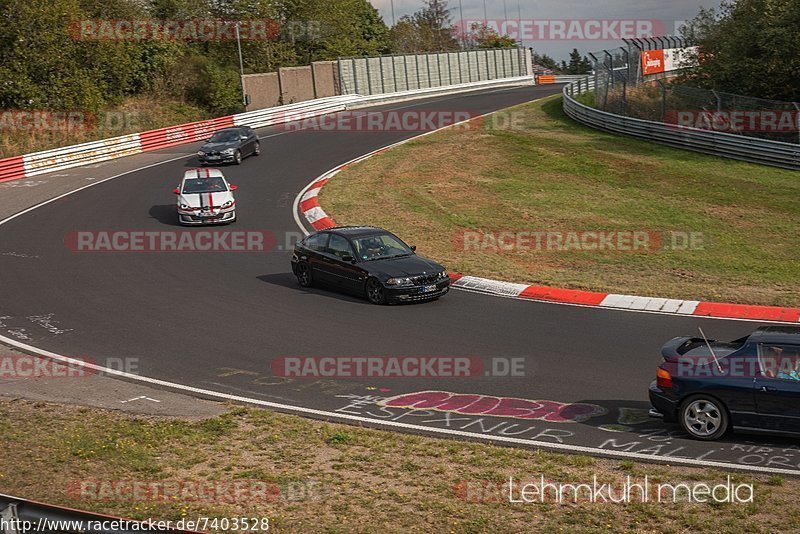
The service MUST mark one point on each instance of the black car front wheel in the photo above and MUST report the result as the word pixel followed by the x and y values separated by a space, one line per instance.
pixel 303 274
pixel 703 417
pixel 375 291
pixel 257 149
pixel 237 157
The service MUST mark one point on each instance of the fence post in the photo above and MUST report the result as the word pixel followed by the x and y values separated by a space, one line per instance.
pixel 341 78
pixel 663 100
pixel 355 76
pixel 719 100
pixel 428 66
pixel 405 68
pixel 416 66
pixel 624 97
pixel 394 73
pixel 460 72
pixel 369 77
pixel 797 119
pixel 439 68
pixel 383 82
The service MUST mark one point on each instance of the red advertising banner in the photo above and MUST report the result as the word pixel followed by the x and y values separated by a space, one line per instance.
pixel 652 62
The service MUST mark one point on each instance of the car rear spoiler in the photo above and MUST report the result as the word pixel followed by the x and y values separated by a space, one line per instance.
pixel 678 346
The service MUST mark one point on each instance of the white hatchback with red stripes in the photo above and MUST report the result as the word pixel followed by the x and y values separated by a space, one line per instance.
pixel 205 197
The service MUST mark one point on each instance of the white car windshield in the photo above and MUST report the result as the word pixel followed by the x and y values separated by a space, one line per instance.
pixel 204 185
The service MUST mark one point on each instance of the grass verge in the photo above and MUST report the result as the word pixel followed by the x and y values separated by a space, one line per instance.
pixel 355 480
pixel 554 175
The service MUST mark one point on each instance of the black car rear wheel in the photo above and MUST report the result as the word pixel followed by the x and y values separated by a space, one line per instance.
pixel 304 277
pixel 703 417
pixel 375 291
pixel 237 157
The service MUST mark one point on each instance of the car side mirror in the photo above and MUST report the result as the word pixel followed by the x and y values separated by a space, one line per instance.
pixel 348 258
pixel 176 191
pixel 413 247
pixel 234 187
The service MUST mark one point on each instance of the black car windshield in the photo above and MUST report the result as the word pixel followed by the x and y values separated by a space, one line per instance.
pixel 204 185
pixel 225 136
pixel 380 246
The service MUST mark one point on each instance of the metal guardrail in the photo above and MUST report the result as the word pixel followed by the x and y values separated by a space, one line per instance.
pixel 20 516
pixel 753 150
pixel 58 159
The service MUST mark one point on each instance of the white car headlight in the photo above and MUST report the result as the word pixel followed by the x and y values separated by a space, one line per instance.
pixel 228 151
pixel 228 204
pixel 185 207
pixel 399 282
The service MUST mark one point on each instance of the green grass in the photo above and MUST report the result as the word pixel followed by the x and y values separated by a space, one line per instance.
pixel 336 478
pixel 557 175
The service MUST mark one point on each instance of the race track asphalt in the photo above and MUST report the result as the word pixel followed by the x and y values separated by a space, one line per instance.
pixel 218 320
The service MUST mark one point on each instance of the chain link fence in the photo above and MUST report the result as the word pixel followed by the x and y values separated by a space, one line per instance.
pixel 390 74
pixel 622 88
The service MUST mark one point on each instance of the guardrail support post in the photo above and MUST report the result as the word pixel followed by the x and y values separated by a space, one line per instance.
pixel 797 119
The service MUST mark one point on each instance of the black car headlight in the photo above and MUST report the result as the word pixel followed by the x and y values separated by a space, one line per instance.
pixel 443 275
pixel 201 154
pixel 399 282
pixel 228 151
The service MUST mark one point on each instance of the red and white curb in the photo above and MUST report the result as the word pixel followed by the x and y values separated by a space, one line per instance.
pixel 307 203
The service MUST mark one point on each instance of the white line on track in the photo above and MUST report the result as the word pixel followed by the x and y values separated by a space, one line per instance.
pixel 445 432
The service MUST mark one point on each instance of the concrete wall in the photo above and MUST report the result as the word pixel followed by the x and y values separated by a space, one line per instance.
pixel 291 84
pixel 325 82
pixel 264 90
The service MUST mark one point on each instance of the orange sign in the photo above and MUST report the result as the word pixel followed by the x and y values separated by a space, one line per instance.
pixel 652 62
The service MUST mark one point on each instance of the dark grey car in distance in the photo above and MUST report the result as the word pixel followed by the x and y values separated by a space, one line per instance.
pixel 369 262
pixel 230 145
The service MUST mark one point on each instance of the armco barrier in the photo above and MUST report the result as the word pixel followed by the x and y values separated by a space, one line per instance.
pixel 11 169
pixel 751 149
pixel 96 151
pixel 185 133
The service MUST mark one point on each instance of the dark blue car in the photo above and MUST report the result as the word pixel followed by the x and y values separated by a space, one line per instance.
pixel 751 384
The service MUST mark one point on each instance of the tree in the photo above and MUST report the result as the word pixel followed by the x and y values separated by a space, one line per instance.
pixel 748 47
pixel 428 30
pixel 481 36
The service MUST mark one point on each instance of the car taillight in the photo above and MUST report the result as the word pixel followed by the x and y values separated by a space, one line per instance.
pixel 663 378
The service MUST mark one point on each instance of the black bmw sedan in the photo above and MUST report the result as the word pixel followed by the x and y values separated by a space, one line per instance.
pixel 368 261
pixel 230 145
pixel 751 384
